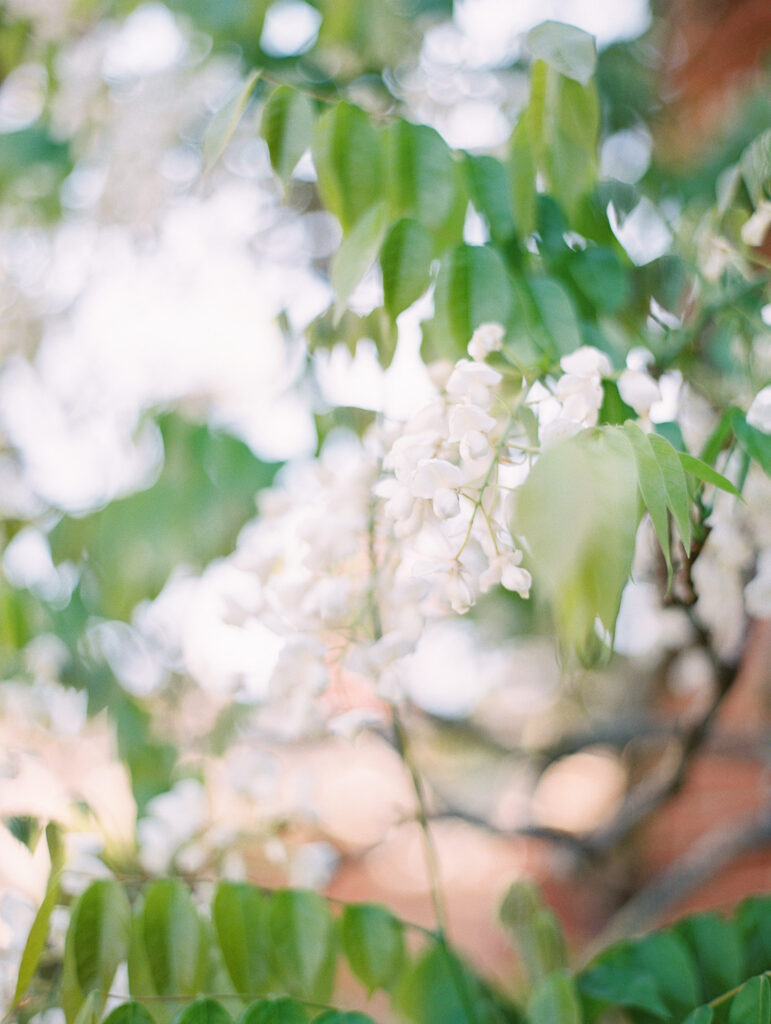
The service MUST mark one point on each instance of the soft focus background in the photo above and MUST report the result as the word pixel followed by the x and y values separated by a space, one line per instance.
pixel 164 353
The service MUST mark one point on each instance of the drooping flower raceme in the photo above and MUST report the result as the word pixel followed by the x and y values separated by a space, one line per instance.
pixel 356 552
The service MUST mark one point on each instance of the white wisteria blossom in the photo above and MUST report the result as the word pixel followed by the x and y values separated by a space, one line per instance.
pixel 759 413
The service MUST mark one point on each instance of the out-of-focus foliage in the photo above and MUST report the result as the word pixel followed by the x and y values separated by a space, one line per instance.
pixel 595 324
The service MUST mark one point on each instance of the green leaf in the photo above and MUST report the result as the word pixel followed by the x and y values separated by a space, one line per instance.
pixel 752 1003
pixel 439 988
pixel 535 930
pixel 472 288
pixel 567 49
pixel 753 919
pixel 203 1011
pixel 343 1017
pixel 131 1012
pixel 678 498
pixel 620 982
pixel 349 162
pixel 602 277
pixel 275 1011
pixel 287 127
pixel 167 949
pixel 522 171
pixel 190 515
pixel 706 474
pixel 578 514
pixel 715 945
pixel 357 252
pixel 225 121
pixel 701 1015
pixel 491 195
pixel 756 168
pixel 557 314
pixel 652 487
pixel 554 1001
pixel 755 442
pixel 36 940
pixel 373 941
pixel 239 913
pixel 406 263
pixel 88 1013
pixel 421 173
pixel 562 126
pixel 614 409
pixel 99 932
pixel 303 943
pixel 670 963
pixel 57 850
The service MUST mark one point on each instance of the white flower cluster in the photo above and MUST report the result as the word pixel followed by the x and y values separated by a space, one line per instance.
pixel 355 553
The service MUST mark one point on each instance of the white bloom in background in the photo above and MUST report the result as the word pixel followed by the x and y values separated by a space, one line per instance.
pixel 639 390
pixel 759 413
pixel 300 666
pixel 755 229
pixel 486 338
pixel 757 593
pixel 172 820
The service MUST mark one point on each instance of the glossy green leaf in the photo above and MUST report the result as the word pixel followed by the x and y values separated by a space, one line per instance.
pixel 562 126
pixel 472 288
pixel 406 264
pixel 131 1012
pixel 554 1001
pixel 303 943
pixel 275 1011
pixel 557 314
pixel 358 252
pixel 373 942
pixel 653 487
pixel 567 49
pixel 287 127
pixel 752 1003
pixel 348 158
pixel 36 939
pixel 225 122
pixel 715 945
pixel 239 913
pixel 678 498
pixel 578 513
pixel 706 473
pixel 203 1011
pixel 421 178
